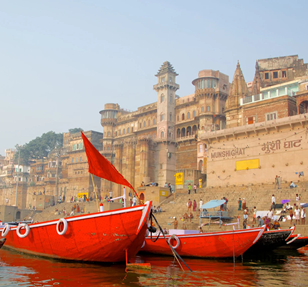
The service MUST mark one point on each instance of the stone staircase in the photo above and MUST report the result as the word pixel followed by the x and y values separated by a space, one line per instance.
pixel 255 195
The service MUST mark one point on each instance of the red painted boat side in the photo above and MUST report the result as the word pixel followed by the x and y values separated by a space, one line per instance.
pixel 207 245
pixel 100 237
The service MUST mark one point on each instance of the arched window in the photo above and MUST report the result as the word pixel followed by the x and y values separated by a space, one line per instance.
pixel 188 115
pixel 127 130
pixel 153 121
pixel 115 133
pixel 119 132
pixel 194 113
pixel 161 117
pixel 123 131
pixel 183 132
pixel 162 98
pixel 170 98
pixel 208 108
pixel 200 165
pixel 140 125
pixel 178 133
pixel 202 109
pixel 149 122
pixel 144 124
pixel 162 134
pixel 183 116
pixel 205 147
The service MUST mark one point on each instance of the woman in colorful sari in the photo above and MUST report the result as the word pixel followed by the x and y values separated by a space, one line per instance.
pixel 194 205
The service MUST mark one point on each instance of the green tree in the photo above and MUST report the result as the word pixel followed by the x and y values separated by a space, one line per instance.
pixel 39 147
pixel 75 130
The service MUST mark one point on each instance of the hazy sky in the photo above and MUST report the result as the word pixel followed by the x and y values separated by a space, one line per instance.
pixel 61 61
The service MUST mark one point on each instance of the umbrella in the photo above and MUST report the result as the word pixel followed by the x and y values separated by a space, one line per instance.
pixel 213 203
pixel 285 201
pixel 304 204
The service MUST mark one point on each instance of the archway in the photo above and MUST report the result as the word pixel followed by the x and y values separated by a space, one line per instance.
pixel 141 198
pixel 178 133
pixel 200 165
pixel 183 132
pixel 17 215
pixel 303 107
pixel 188 133
pixel 194 130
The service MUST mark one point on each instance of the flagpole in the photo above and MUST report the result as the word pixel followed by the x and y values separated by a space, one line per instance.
pixel 95 191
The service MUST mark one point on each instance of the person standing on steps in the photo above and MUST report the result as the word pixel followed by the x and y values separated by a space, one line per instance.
pixel 244 203
pixel 189 188
pixel 189 203
pixel 195 188
pixel 239 204
pixel 175 223
pixel 276 182
pixel 273 201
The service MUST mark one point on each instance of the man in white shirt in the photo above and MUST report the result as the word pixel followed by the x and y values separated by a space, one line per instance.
pixel 270 214
pixel 134 200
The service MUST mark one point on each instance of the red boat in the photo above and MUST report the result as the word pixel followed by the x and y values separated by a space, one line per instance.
pixel 99 237
pixel 222 244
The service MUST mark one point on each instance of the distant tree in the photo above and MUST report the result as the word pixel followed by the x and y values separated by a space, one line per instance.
pixel 39 147
pixel 75 130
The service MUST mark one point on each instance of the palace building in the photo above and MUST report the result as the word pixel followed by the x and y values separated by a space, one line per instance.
pixel 215 133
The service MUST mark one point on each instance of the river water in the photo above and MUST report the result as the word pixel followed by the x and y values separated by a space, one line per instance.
pixel 287 268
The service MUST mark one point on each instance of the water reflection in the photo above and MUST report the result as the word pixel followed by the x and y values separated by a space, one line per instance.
pixel 279 269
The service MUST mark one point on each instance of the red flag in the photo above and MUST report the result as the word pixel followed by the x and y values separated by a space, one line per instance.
pixel 101 167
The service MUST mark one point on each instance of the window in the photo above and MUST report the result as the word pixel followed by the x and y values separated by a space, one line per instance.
pixel 108 134
pixel 81 159
pixel 161 117
pixel 73 147
pixel 177 118
pixel 170 98
pixel 149 122
pixel 266 76
pixel 72 160
pixel 127 130
pixel 153 121
pixel 116 133
pixel 194 114
pixel 161 166
pixel 202 109
pixel 140 125
pixel 200 147
pixel 119 132
pixel 162 98
pixel 183 117
pixel 144 124
pixel 275 75
pixel 162 134
pixel 123 131
pixel 163 79
pixel 284 74
pixel 208 108
pixel 250 120
pixel 271 116
pixel 76 159
pixel 188 115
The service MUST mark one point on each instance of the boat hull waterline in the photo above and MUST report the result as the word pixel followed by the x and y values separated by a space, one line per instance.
pixel 97 237
pixel 222 244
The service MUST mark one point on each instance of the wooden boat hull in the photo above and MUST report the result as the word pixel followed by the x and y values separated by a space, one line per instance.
pixel 2 241
pixel 223 244
pixel 295 242
pixel 271 240
pixel 97 237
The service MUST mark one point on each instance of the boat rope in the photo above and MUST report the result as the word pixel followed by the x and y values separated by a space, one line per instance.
pixel 176 255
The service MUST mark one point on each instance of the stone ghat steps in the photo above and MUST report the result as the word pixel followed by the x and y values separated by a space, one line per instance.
pixel 257 195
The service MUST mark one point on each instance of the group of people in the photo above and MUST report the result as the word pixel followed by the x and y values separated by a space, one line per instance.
pixel 241 204
pixel 189 188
